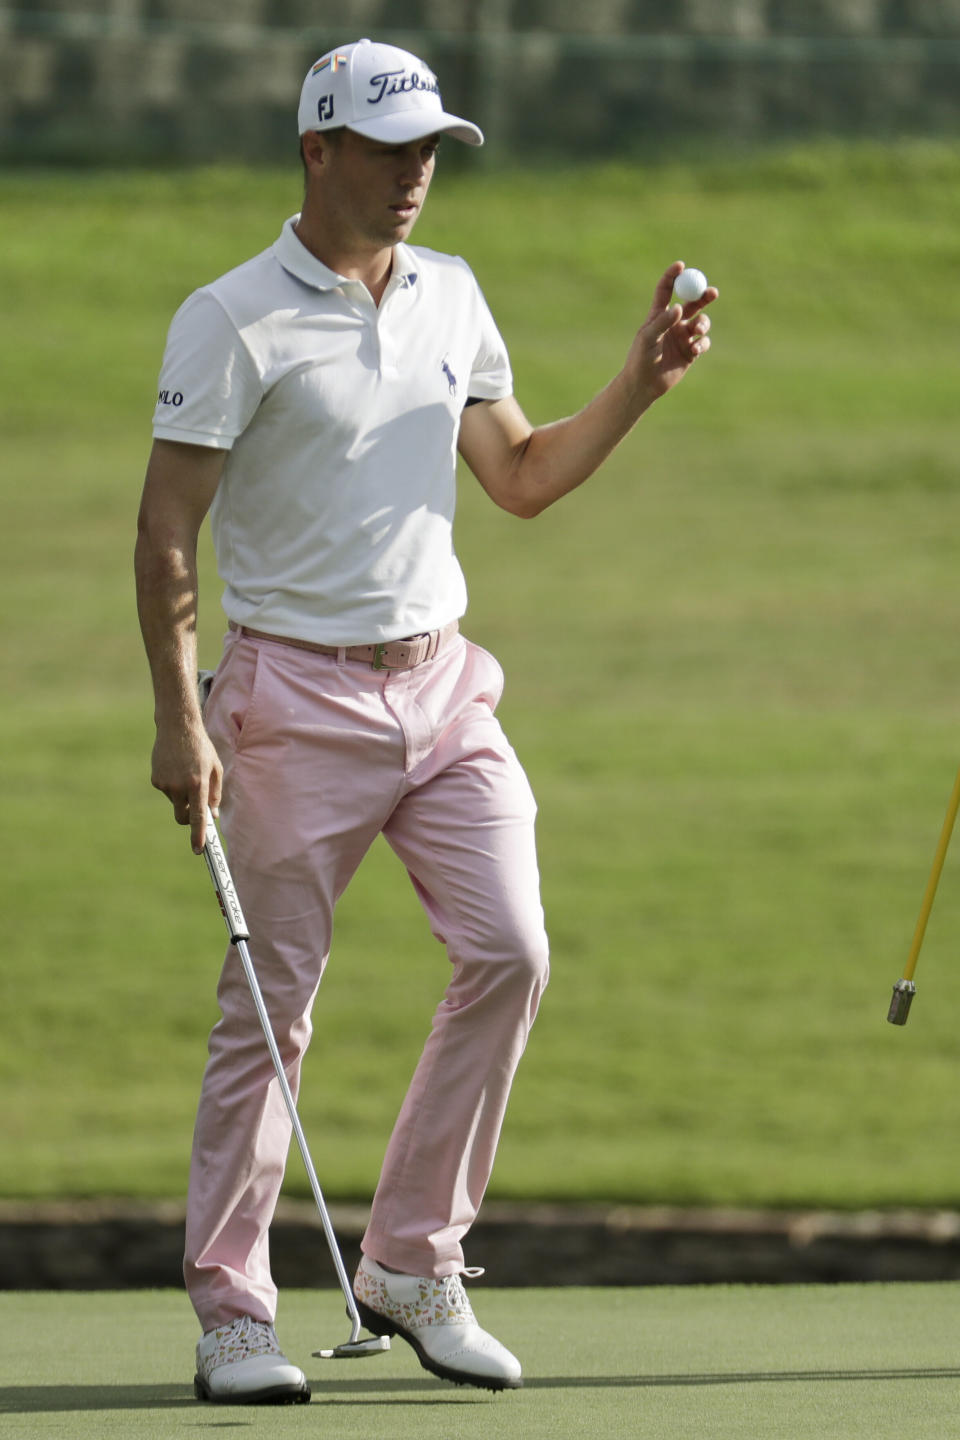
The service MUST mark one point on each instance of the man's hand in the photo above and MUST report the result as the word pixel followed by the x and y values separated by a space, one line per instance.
pixel 670 339
pixel 187 769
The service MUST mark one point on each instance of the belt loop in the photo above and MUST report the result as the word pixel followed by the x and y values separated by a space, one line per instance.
pixel 341 654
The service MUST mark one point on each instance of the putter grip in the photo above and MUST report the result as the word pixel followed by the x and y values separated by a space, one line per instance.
pixel 223 883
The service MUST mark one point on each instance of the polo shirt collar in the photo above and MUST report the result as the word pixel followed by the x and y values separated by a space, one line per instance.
pixel 297 260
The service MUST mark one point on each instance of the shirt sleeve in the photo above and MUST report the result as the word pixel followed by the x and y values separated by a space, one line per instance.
pixel 209 386
pixel 490 377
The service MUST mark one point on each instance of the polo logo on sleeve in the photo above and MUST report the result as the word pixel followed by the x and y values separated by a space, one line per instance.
pixel 451 378
pixel 167 397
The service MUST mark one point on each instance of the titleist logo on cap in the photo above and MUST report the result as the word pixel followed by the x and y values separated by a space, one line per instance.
pixel 399 82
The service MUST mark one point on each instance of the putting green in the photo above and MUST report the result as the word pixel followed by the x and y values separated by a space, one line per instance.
pixel 871 1361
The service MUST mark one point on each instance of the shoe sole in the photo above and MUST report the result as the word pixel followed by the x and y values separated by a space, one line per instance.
pixel 380 1325
pixel 278 1395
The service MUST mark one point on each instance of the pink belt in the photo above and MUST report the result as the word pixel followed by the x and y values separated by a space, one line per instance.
pixel 388 655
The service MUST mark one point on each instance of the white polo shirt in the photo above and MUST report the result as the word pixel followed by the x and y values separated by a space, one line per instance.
pixel 333 519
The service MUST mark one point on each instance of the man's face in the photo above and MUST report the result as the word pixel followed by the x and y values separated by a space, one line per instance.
pixel 374 192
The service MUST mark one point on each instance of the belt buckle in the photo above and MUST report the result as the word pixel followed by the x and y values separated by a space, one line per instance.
pixel 377 661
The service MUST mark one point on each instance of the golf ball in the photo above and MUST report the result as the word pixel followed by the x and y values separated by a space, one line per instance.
pixel 689 285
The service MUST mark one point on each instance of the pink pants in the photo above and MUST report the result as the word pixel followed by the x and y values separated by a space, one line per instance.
pixel 321 755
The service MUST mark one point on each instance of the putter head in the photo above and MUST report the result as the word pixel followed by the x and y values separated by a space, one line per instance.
pixel 356 1349
pixel 903 993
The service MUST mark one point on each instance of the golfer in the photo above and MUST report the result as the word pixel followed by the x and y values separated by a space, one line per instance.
pixel 313 401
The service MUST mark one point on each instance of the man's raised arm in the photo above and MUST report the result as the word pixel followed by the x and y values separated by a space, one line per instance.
pixel 525 469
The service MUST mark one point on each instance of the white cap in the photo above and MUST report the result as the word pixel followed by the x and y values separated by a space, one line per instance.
pixel 381 92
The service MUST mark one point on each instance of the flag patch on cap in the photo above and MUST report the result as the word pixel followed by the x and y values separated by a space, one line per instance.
pixel 334 62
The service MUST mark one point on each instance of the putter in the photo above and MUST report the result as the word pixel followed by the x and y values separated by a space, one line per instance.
pixel 216 859
pixel 905 989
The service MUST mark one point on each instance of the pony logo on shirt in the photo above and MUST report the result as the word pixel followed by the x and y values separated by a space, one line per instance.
pixel 451 378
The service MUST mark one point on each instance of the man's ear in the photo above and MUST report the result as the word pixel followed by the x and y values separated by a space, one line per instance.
pixel 316 146
pixel 313 151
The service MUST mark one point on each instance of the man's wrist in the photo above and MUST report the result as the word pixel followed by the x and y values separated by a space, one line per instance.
pixel 182 714
pixel 637 395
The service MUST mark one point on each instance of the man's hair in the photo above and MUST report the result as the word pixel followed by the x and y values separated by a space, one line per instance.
pixel 336 135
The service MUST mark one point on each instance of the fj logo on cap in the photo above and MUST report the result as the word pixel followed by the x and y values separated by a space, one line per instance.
pixel 325 107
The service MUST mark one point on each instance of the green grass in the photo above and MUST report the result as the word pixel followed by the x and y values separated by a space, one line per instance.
pixel 730 674
pixel 852 1362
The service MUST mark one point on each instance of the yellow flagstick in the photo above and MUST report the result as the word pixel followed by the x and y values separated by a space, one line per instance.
pixel 904 990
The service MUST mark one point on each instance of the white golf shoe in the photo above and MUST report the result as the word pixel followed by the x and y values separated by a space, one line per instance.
pixel 437 1319
pixel 242 1364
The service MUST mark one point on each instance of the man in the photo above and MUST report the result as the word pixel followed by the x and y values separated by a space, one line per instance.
pixel 314 400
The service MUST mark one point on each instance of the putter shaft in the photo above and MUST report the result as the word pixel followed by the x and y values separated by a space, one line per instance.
pixel 905 989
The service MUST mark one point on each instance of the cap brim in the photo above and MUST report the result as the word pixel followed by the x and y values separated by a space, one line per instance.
pixel 406 125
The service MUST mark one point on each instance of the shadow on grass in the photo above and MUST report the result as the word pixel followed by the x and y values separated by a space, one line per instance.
pixel 27 1399
pixel 32 1399
pixel 733 1377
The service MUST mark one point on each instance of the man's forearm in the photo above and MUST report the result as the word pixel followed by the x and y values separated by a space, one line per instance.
pixel 167 604
pixel 185 765
pixel 179 487
pixel 558 457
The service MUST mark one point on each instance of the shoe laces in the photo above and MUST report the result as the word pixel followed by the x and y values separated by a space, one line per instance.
pixel 244 1338
pixel 454 1295
pixel 255 1333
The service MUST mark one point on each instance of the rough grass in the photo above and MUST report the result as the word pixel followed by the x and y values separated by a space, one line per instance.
pixel 729 672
